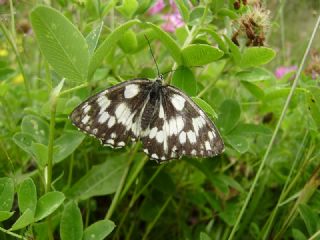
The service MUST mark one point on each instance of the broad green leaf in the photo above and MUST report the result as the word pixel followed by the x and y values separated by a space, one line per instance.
pixel 4 215
pixel 128 7
pixel 24 141
pixel 183 9
pixel 204 236
pixel 205 107
pixel 249 129
pixel 255 75
pixel 229 115
pixel 183 78
pixel 71 226
pixel 93 37
pixel 276 93
pixel 298 235
pixel 24 220
pixel 256 56
pixel 239 143
pixel 230 213
pixel 6 193
pixel 40 151
pixel 128 42
pixel 107 46
pixel 217 38
pixel 314 104
pixel 36 127
pixel 310 218
pixel 6 73
pixel 200 54
pixel 169 43
pixel 98 230
pixel 61 43
pixel 225 12
pixel 255 90
pixel 164 183
pixel 102 179
pixel 27 196
pixel 48 203
pixel 196 15
pixel 66 144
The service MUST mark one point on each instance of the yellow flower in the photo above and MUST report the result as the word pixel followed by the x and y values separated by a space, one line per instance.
pixel 18 79
pixel 3 52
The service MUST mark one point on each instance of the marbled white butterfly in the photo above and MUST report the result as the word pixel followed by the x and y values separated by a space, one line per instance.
pixel 166 120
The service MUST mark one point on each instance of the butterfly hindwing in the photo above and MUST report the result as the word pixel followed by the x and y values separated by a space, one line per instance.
pixel 114 115
pixel 180 128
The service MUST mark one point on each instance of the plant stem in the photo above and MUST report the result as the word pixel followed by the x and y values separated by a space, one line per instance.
pixel 283 113
pixel 12 234
pixel 116 197
pixel 15 49
pixel 73 89
pixel 50 144
pixel 151 225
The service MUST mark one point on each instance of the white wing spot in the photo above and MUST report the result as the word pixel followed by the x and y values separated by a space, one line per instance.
pixel 131 91
pixel 103 101
pixel 95 131
pixel 85 119
pixel 111 122
pixel 121 144
pixel 160 136
pixel 182 138
pixel 146 151
pixel 86 108
pixel 103 117
pixel 113 135
pixel 153 132
pixel 207 144
pixel 154 156
pixel 210 135
pixel 194 152
pixel 197 123
pixel 180 123
pixel 110 141
pixel 192 137
pixel 161 112
pixel 163 158
pixel 178 102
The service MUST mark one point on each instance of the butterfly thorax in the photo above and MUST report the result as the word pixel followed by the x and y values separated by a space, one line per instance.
pixel 152 105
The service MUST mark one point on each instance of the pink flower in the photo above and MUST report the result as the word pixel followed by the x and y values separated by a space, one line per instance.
pixel 281 71
pixel 157 7
pixel 173 19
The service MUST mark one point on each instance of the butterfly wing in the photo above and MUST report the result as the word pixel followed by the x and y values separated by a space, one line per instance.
pixel 114 115
pixel 181 128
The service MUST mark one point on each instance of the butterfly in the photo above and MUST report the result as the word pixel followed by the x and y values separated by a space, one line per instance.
pixel 167 121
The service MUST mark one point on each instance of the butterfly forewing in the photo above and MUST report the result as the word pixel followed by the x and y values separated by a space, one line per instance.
pixel 114 115
pixel 180 128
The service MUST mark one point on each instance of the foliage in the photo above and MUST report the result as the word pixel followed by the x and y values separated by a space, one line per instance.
pixel 57 183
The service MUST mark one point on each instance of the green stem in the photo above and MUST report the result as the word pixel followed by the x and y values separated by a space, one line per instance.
pixel 70 170
pixel 51 142
pixel 15 49
pixel 73 89
pixel 12 234
pixel 116 197
pixel 13 29
pixel 151 225
pixel 283 113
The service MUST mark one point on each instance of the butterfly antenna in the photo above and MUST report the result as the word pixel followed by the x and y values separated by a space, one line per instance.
pixel 154 59
pixel 181 67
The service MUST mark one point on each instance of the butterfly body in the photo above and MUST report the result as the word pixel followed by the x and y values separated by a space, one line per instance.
pixel 167 122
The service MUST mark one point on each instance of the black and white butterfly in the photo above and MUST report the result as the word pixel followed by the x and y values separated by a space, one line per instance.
pixel 167 122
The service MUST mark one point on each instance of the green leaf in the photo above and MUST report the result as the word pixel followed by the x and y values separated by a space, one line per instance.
pixel 169 43
pixel 93 37
pixel 225 12
pixel 253 89
pixel 239 143
pixel 234 49
pixel 229 115
pixel 255 75
pixel 71 226
pixel 183 78
pixel 249 129
pixel 4 215
pixel 298 235
pixel 196 14
pixel 36 127
pixel 107 45
pixel 66 144
pixel 217 38
pixel 24 141
pixel 310 218
pixel 314 104
pixel 200 54
pixel 24 220
pixel 6 193
pixel 183 9
pixel 128 42
pixel 48 203
pixel 204 236
pixel 27 196
pixel 256 56
pixel 102 179
pixel 205 107
pixel 98 230
pixel 40 151
pixel 61 43
pixel 128 8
